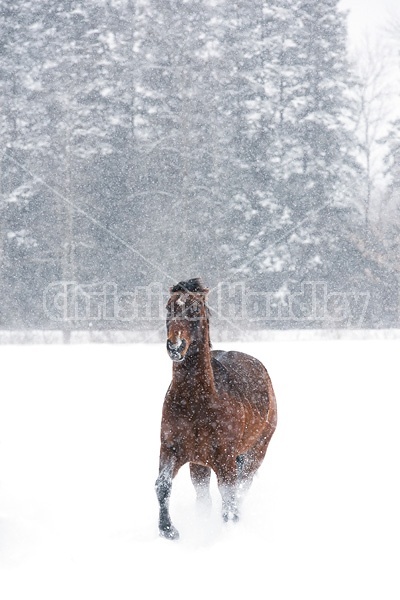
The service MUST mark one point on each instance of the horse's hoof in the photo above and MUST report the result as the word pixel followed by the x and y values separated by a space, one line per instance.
pixel 170 533
pixel 204 506
pixel 230 516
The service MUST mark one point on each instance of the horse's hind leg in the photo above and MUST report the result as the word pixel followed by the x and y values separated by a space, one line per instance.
pixel 200 476
pixel 227 476
pixel 249 462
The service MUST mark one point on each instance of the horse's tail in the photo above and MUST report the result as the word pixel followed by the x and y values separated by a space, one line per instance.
pixel 272 414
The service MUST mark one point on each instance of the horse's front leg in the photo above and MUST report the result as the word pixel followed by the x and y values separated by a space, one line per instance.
pixel 228 486
pixel 163 490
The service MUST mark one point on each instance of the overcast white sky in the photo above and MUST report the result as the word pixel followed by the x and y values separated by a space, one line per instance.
pixel 369 16
pixel 377 53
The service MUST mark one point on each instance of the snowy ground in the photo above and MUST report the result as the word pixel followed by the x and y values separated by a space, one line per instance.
pixel 78 459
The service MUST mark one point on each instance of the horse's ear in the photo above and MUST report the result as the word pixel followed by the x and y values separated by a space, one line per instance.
pixel 203 293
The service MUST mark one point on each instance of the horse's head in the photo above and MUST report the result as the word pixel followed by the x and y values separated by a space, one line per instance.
pixel 187 319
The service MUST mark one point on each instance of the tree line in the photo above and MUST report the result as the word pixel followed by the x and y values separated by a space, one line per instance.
pixel 149 141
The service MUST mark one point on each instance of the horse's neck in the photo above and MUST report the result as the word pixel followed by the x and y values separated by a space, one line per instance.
pixel 196 369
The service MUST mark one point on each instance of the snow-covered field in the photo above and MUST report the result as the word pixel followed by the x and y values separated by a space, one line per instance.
pixel 79 432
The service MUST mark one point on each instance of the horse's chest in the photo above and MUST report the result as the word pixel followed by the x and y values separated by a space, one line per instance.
pixel 203 428
pixel 198 427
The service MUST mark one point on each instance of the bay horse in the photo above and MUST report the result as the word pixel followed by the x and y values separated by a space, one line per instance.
pixel 219 412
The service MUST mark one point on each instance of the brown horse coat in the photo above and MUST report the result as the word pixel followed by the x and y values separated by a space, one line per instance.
pixel 219 412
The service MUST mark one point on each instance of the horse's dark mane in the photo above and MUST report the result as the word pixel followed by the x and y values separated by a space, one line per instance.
pixel 194 285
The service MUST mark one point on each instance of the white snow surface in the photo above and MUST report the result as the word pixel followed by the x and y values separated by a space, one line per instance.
pixel 79 430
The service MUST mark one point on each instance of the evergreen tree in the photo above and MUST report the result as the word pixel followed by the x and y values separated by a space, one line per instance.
pixel 391 218
pixel 304 143
pixel 148 140
pixel 177 127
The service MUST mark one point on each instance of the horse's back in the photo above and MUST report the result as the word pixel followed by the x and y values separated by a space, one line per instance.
pixel 244 377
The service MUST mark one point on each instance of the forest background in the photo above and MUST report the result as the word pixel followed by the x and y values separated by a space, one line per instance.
pixel 148 141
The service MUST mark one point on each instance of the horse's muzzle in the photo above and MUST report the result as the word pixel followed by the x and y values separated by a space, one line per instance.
pixel 175 351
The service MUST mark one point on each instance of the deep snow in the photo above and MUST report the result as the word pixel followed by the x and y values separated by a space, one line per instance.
pixel 79 430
